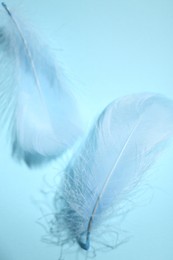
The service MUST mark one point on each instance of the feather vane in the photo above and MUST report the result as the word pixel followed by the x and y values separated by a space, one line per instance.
pixel 125 141
pixel 41 110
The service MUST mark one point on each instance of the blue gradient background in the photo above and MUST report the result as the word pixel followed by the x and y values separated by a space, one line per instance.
pixel 108 48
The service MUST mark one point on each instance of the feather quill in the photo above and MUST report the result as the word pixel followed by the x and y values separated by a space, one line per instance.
pixel 123 144
pixel 41 110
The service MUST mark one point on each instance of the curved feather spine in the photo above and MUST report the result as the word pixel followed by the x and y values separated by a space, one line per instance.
pixel 109 177
pixel 28 52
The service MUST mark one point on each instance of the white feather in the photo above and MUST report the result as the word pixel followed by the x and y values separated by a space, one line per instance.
pixel 125 141
pixel 41 109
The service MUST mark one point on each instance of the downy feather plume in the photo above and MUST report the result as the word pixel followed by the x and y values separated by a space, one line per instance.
pixel 34 99
pixel 123 144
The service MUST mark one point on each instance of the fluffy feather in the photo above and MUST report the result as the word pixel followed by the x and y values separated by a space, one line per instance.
pixel 42 112
pixel 122 145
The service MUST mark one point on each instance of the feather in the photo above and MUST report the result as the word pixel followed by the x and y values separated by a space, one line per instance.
pixel 41 110
pixel 125 141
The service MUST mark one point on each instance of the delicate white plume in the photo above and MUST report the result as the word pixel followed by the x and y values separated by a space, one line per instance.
pixel 41 110
pixel 123 144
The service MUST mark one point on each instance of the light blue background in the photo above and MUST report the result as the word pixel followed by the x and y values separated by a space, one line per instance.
pixel 108 48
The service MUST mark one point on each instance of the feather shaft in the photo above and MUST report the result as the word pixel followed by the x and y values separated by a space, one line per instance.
pixel 28 53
